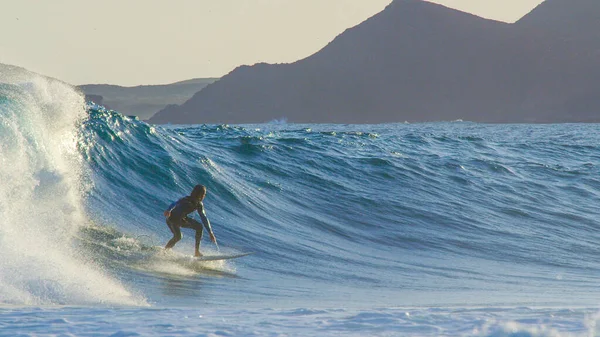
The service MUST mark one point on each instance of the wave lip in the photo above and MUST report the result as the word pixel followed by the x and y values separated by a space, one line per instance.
pixel 44 182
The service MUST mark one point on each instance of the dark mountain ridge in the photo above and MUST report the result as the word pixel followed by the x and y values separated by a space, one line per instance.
pixel 418 61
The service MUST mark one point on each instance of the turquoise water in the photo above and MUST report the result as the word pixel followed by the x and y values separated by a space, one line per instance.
pixel 395 229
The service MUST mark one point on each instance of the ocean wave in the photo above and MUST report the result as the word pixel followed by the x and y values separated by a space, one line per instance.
pixel 345 213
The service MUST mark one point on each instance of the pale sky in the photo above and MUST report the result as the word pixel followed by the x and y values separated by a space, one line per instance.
pixel 132 42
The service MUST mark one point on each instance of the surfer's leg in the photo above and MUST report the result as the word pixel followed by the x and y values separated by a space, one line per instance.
pixel 199 231
pixel 176 234
pixel 191 223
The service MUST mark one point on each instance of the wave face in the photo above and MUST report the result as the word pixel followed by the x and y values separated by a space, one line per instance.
pixel 351 215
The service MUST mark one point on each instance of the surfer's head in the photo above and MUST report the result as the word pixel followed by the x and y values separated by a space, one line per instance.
pixel 198 192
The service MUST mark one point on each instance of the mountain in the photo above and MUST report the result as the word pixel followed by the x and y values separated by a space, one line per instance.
pixel 567 70
pixel 144 100
pixel 418 61
pixel 575 19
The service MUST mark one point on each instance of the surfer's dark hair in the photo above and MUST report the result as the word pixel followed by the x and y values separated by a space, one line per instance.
pixel 198 191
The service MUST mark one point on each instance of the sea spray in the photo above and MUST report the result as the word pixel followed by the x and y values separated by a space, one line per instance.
pixel 41 197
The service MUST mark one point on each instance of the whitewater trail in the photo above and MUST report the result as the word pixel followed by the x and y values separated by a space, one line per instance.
pixel 43 185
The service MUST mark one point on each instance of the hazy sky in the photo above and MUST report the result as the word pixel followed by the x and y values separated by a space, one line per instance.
pixel 130 42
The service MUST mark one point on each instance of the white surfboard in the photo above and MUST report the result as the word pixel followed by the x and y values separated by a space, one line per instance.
pixel 221 257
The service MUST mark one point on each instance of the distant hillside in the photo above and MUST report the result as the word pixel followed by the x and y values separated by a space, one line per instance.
pixel 574 19
pixel 567 70
pixel 145 100
pixel 419 61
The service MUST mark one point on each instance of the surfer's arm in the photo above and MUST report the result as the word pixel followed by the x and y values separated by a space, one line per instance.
pixel 206 223
pixel 167 212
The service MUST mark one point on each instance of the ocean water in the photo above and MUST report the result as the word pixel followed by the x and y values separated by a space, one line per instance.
pixel 436 229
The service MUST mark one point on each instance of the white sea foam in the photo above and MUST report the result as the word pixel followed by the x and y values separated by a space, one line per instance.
pixel 41 197
pixel 174 263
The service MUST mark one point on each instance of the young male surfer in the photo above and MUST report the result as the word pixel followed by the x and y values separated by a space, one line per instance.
pixel 177 217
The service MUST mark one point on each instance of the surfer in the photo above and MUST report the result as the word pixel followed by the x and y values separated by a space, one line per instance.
pixel 177 217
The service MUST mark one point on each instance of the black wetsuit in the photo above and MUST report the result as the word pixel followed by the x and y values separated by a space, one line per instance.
pixel 179 217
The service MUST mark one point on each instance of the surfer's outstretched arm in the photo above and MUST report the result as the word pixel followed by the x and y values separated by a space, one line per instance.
pixel 206 223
